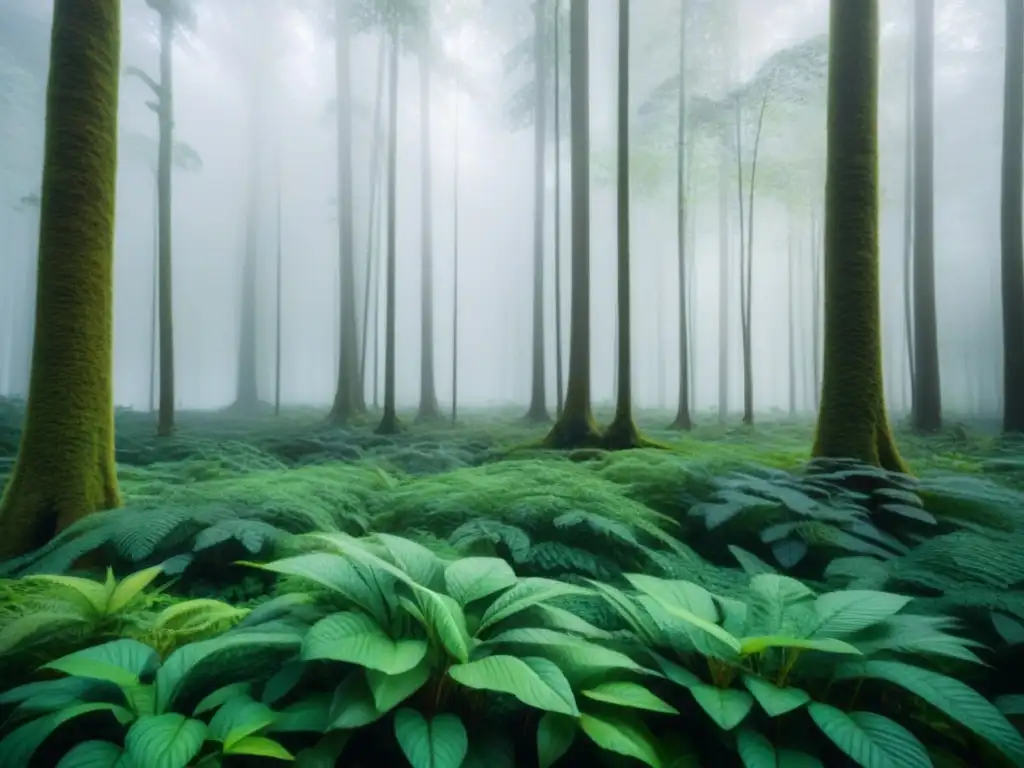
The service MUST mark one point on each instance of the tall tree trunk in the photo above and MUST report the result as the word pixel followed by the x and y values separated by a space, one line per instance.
pixel 165 417
pixel 682 419
pixel 817 305
pixel 455 255
pixel 389 421
pixel 538 410
pixel 791 301
pixel 65 466
pixel 1012 234
pixel 348 395
pixel 277 299
pixel 908 224
pixel 852 421
pixel 927 416
pixel 247 395
pixel 559 369
pixel 381 226
pixel 575 425
pixel 622 432
pixel 154 313
pixel 428 410
pixel 723 283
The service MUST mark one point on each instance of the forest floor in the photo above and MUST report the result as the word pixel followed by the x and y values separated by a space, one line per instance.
pixel 716 507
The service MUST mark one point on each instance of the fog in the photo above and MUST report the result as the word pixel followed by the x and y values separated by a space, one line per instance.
pixel 287 48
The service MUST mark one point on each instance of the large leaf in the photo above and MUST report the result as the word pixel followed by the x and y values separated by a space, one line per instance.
pixel 870 740
pixel 757 752
pixel 444 620
pixel 130 588
pixel 775 701
pixel 628 694
pixel 358 639
pixel 842 613
pixel 122 662
pixel 534 681
pixel 472 578
pixel 525 594
pixel 259 746
pixel 960 702
pixel 165 741
pixel 775 604
pixel 18 746
pixel 623 736
pixel 438 743
pixel 555 734
pixel 238 718
pixel 750 646
pixel 728 707
pixel 683 594
pixel 96 754
pixel 391 690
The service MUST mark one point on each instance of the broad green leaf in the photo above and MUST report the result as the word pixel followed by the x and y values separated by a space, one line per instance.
pixel 636 618
pixel 283 682
pixel 259 746
pixel 775 701
pixel 525 594
pixel 623 736
pixel 775 603
pixel 725 644
pixel 22 632
pixel 352 704
pixel 165 741
pixel 957 700
pixel 130 587
pixel 677 673
pixel 121 662
pixel 1010 630
pixel 96 754
pixel 870 740
pixel 920 635
pixel 561 619
pixel 728 707
pixel 472 578
pixel 18 746
pixel 842 613
pixel 309 715
pixel 750 563
pixel 438 743
pixel 683 594
pixel 1011 704
pixel 419 563
pixel 755 750
pixel 220 696
pixel 555 734
pixel 94 593
pixel 238 718
pixel 358 639
pixel 753 645
pixel 627 694
pixel 391 690
pixel 536 682
pixel 445 622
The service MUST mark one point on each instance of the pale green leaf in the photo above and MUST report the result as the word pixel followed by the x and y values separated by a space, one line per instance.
pixel 870 740
pixel 121 662
pixel 773 700
pixel 753 645
pixel 842 613
pixel 623 736
pixel 728 707
pixel 259 746
pixel 438 743
pixel 358 639
pixel 534 681
pixel 555 734
pixel 391 690
pixel 165 741
pixel 130 588
pixel 525 594
pixel 628 694
pixel 473 578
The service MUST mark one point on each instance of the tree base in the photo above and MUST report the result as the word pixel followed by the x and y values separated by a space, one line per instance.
pixel 428 413
pixel 682 423
pixel 389 425
pixel 165 429
pixel 537 414
pixel 573 431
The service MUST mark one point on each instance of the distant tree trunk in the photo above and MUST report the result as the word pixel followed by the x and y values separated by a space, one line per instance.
pixel 723 284
pixel 1012 233
pixel 747 257
pixel 691 304
pixel 682 419
pixel 791 300
pixel 575 425
pixel 538 410
pixel 348 395
pixel 927 416
pixel 154 314
pixel 165 101
pixel 817 304
pixel 559 369
pixel 65 465
pixel 455 259
pixel 277 302
pixel 380 225
pixel 247 395
pixel 622 432
pixel 389 421
pixel 852 421
pixel 908 224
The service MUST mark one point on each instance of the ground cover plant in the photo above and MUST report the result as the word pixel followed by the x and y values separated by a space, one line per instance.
pixel 280 591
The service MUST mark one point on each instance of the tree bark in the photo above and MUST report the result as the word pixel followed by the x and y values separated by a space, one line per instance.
pixel 1012 234
pixel 682 419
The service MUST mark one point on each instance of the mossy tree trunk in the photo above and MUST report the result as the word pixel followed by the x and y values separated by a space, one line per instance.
pixel 852 420
pixel 575 425
pixel 65 467
pixel 622 432
pixel 348 393
pixel 538 410
pixel 389 424
pixel 1012 234
pixel 927 415
pixel 682 419
pixel 428 409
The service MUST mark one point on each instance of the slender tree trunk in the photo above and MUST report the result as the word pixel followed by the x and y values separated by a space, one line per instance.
pixel 247 396
pixel 1012 235
pixel 70 406
pixel 723 284
pixel 559 368
pixel 682 419
pixel 348 395
pixel 154 348
pixel 908 224
pixel 277 300
pixel 538 410
pixel 791 301
pixel 691 303
pixel 455 256
pixel 575 425
pixel 165 417
pixel 389 421
pixel 817 304
pixel 852 421
pixel 927 416
pixel 380 225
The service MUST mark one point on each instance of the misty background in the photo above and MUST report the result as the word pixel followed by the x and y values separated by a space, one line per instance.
pixel 288 44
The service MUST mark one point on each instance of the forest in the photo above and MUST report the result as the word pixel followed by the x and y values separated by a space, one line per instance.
pixel 511 383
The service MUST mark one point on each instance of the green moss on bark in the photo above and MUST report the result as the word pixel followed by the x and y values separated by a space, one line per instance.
pixel 65 468
pixel 852 420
